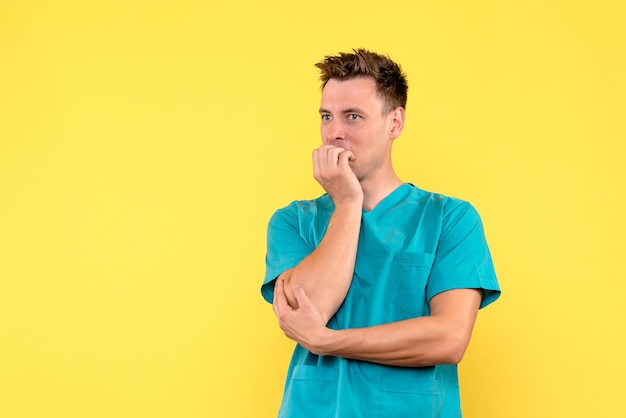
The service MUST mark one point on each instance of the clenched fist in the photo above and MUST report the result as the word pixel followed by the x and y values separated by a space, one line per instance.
pixel 331 168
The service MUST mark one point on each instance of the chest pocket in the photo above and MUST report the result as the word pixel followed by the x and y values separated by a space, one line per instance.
pixel 408 278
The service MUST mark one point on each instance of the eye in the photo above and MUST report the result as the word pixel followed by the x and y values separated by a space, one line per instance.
pixel 326 117
pixel 354 116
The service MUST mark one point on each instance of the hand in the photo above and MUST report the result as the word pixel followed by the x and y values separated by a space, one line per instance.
pixel 304 325
pixel 331 168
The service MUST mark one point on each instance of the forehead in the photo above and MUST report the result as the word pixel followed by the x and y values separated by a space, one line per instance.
pixel 354 92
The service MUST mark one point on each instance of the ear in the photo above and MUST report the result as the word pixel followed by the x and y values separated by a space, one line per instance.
pixel 397 122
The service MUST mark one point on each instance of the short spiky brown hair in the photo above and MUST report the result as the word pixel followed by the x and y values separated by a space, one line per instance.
pixel 390 79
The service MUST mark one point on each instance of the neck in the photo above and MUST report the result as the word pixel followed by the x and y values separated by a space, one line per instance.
pixel 376 189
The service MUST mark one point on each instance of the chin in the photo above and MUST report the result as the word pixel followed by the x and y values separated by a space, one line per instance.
pixel 356 172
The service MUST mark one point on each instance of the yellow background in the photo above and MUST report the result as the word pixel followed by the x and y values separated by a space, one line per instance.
pixel 144 145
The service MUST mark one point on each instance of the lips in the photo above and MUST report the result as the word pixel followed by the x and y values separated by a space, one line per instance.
pixel 339 145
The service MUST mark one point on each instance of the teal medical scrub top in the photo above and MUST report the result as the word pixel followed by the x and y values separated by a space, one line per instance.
pixel 413 245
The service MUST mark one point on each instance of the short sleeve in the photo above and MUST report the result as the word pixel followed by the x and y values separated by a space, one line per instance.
pixel 462 258
pixel 285 247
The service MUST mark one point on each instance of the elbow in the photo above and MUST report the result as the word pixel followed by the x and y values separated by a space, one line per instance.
pixel 326 312
pixel 454 344
pixel 454 357
pixel 454 350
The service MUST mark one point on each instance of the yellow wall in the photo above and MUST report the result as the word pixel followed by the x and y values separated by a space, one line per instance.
pixel 144 145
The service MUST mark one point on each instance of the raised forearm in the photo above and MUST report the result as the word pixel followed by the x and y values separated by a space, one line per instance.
pixel 326 273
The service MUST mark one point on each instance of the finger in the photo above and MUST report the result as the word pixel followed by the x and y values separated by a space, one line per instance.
pixel 345 157
pixel 323 150
pixel 279 295
pixel 274 301
pixel 320 162
pixel 325 147
pixel 279 290
pixel 278 284
pixel 306 307
pixel 300 295
pixel 330 152
pixel 333 154
pixel 316 163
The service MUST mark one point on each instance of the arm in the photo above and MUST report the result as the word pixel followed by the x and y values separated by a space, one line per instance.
pixel 440 338
pixel 326 273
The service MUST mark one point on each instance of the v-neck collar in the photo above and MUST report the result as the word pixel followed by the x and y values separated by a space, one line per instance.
pixel 390 200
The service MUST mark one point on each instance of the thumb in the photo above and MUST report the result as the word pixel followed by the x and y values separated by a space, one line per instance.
pixel 300 295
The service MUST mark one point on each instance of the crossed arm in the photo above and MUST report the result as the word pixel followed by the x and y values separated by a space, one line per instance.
pixel 306 297
pixel 440 338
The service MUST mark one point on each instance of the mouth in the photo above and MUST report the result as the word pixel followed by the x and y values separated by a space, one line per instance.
pixel 342 145
pixel 338 144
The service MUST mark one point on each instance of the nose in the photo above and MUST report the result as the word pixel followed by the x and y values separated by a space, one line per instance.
pixel 333 131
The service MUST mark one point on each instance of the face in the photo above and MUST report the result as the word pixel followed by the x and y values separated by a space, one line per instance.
pixel 352 118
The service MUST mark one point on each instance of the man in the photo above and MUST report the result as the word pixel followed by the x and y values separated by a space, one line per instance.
pixel 378 281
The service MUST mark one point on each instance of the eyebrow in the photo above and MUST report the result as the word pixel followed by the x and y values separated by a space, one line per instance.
pixel 345 111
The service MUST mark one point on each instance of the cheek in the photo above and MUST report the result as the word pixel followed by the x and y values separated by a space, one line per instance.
pixel 323 135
